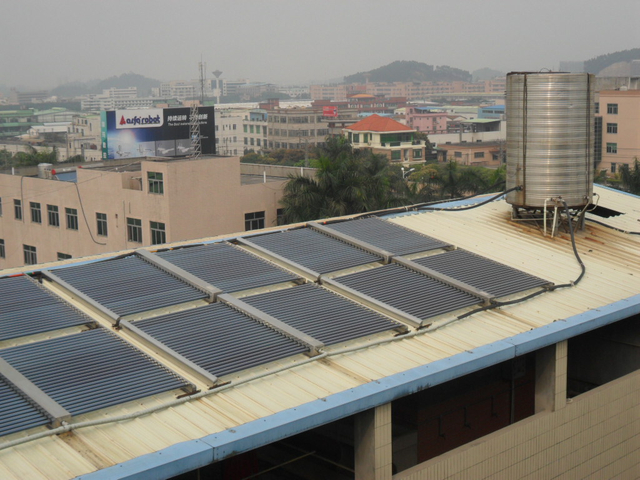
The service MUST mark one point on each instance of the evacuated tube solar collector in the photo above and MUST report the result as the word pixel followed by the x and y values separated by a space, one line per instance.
pixel 550 120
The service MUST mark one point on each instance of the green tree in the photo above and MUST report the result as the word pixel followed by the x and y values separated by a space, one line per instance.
pixel 630 177
pixel 347 181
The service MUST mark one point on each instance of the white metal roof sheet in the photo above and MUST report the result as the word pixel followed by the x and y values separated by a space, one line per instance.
pixel 612 275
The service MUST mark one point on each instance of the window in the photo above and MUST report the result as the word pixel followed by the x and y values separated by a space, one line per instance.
pixel 0 206
pixel 36 213
pixel 72 218
pixel 17 209
pixel 280 216
pixel 246 141
pixel 156 182
pixel 612 108
pixel 613 168
pixel 253 221
pixel 101 220
pixel 63 256
pixel 244 128
pixel 52 214
pixel 356 138
pixel 612 128
pixel 158 234
pixel 478 155
pixel 134 230
pixel 597 107
pixel 417 153
pixel 2 251
pixel 612 148
pixel 257 141
pixel 396 155
pixel 458 154
pixel 30 255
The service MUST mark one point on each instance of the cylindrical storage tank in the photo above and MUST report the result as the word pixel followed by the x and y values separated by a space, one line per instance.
pixel 44 170
pixel 550 125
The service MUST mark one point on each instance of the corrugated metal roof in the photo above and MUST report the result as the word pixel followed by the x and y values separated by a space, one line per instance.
pixel 492 277
pixel 227 267
pixel 320 313
pixel 612 279
pixel 90 370
pixel 314 250
pixel 128 285
pixel 27 309
pixel 16 412
pixel 408 291
pixel 220 339
pixel 388 236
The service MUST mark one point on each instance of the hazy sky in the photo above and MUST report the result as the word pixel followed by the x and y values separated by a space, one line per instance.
pixel 47 42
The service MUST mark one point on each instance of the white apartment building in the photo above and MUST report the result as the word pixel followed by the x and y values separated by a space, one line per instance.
pixel 108 98
pixel 229 135
pixel 84 138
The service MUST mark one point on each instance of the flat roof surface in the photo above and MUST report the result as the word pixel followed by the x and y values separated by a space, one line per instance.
pixel 252 410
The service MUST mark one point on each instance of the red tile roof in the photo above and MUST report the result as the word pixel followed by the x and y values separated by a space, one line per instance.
pixel 376 123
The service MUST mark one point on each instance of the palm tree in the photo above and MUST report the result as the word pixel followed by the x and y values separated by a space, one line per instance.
pixel 347 181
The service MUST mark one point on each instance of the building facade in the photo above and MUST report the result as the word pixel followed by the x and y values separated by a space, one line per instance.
pixel 101 210
pixel 304 127
pixel 385 136
pixel 620 114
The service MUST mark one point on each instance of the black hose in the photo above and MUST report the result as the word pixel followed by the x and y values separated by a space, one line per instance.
pixel 489 200
pixel 612 227
pixel 546 289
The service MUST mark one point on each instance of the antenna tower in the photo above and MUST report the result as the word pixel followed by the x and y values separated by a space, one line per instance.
pixel 194 127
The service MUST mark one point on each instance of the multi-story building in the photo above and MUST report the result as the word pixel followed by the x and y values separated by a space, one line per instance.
pixel 412 91
pixel 104 209
pixel 110 99
pixel 388 137
pixel 619 112
pixel 20 98
pixel 303 127
pixel 84 138
pixel 480 154
pixel 178 89
pixel 255 130
pixel 426 119
pixel 229 135
pixel 18 122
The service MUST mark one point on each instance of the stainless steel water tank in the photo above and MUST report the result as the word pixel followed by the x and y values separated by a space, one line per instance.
pixel 550 138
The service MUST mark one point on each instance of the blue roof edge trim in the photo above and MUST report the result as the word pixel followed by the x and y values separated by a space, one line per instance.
pixel 186 456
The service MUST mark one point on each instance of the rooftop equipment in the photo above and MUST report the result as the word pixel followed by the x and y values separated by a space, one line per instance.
pixel 550 125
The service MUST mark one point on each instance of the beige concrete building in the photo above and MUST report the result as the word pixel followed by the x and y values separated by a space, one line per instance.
pixel 107 209
pixel 620 113
pixel 385 136
pixel 304 127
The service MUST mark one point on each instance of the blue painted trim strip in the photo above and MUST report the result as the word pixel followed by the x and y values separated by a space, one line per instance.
pixel 187 456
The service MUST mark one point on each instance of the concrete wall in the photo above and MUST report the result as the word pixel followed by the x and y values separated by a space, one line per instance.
pixel 201 198
pixel 594 436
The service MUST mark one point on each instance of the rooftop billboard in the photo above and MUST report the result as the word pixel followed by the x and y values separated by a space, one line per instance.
pixel 154 132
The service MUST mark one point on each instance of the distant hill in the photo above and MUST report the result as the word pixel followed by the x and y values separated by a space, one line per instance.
pixel 486 74
pixel 409 71
pixel 74 89
pixel 597 64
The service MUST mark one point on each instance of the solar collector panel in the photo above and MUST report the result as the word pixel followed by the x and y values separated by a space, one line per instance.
pixel 388 236
pixel 493 277
pixel 16 413
pixel 227 267
pixel 220 339
pixel 129 285
pixel 320 313
pixel 314 250
pixel 408 291
pixel 26 308
pixel 90 370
